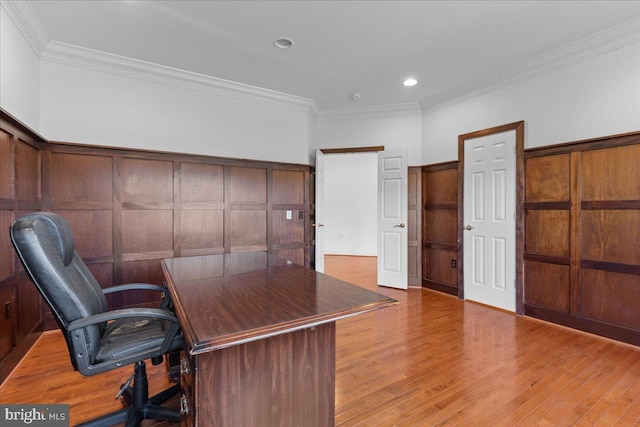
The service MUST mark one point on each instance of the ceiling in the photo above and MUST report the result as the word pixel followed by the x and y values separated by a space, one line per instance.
pixel 340 47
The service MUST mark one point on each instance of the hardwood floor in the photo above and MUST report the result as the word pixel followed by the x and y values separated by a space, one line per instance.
pixel 431 360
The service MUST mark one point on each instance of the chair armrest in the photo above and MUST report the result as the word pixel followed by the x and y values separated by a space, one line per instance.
pixel 141 286
pixel 134 286
pixel 124 313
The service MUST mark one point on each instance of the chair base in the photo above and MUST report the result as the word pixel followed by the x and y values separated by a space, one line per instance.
pixel 141 406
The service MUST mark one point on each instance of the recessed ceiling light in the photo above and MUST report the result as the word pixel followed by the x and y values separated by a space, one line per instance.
pixel 283 43
pixel 410 82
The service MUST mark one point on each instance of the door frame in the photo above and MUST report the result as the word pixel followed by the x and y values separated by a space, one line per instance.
pixel 519 129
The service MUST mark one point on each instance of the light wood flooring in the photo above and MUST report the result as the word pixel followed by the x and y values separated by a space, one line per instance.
pixel 432 360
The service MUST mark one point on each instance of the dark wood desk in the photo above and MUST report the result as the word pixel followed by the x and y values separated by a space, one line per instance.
pixel 260 338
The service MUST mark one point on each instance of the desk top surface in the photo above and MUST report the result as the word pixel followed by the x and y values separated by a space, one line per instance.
pixel 230 299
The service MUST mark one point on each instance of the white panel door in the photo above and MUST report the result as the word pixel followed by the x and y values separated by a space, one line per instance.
pixel 489 220
pixel 319 212
pixel 392 219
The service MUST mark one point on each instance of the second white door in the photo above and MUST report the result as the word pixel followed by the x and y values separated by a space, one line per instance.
pixel 489 220
pixel 392 219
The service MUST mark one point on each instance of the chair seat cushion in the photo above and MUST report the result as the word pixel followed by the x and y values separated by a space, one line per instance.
pixel 126 337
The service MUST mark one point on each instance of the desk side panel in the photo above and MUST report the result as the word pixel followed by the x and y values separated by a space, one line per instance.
pixel 287 379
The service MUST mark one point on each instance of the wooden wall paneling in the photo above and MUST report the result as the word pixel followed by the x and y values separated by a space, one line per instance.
pixel 129 208
pixel 28 176
pixel 147 232
pixel 415 226
pixel 439 222
pixel 28 193
pixel 80 181
pixel 611 297
pixel 246 203
pixel 611 174
pixel 288 187
pixel 20 193
pixel 6 170
pixel 201 224
pixel 548 179
pixel 548 226
pixel 588 190
pixel 611 235
pixel 547 232
pixel 6 322
pixel 548 285
pixel 8 261
pixel 288 213
pixel 575 232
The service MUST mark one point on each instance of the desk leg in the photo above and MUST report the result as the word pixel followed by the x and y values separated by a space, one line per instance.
pixel 285 380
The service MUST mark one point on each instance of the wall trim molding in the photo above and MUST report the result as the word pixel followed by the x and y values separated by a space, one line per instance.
pixel 591 46
pixel 76 56
pixel 28 23
pixel 409 109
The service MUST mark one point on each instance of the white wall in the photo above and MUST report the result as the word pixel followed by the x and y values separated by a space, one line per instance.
pixel 93 107
pixel 393 129
pixel 595 97
pixel 19 73
pixel 351 197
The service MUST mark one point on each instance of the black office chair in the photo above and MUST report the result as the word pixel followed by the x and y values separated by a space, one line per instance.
pixel 98 340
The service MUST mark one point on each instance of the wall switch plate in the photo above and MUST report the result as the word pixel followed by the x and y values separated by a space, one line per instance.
pixel 289 215
pixel 454 263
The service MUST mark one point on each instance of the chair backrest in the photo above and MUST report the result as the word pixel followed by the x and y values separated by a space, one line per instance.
pixel 44 243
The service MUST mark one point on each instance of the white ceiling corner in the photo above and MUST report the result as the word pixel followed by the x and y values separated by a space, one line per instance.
pixel 28 23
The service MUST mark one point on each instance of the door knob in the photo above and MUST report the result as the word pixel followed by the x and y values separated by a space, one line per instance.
pixel 468 227
pixel 317 225
pixel 401 225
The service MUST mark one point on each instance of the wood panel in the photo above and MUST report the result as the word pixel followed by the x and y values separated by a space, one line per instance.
pixel 20 192
pixel 548 179
pixel 608 174
pixel 547 232
pixel 202 185
pixel 301 392
pixel 28 175
pixel 81 181
pixel 147 181
pixel 247 186
pixel 147 234
pixel 288 187
pixel 7 262
pixel 440 227
pixel 6 322
pixel 582 233
pixel 6 166
pixel 248 230
pixel 611 297
pixel 548 285
pixel 611 235
pixel 288 231
pixel 202 232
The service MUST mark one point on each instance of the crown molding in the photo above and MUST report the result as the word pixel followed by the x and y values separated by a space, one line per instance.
pixel 613 38
pixel 28 23
pixel 409 109
pixel 76 56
